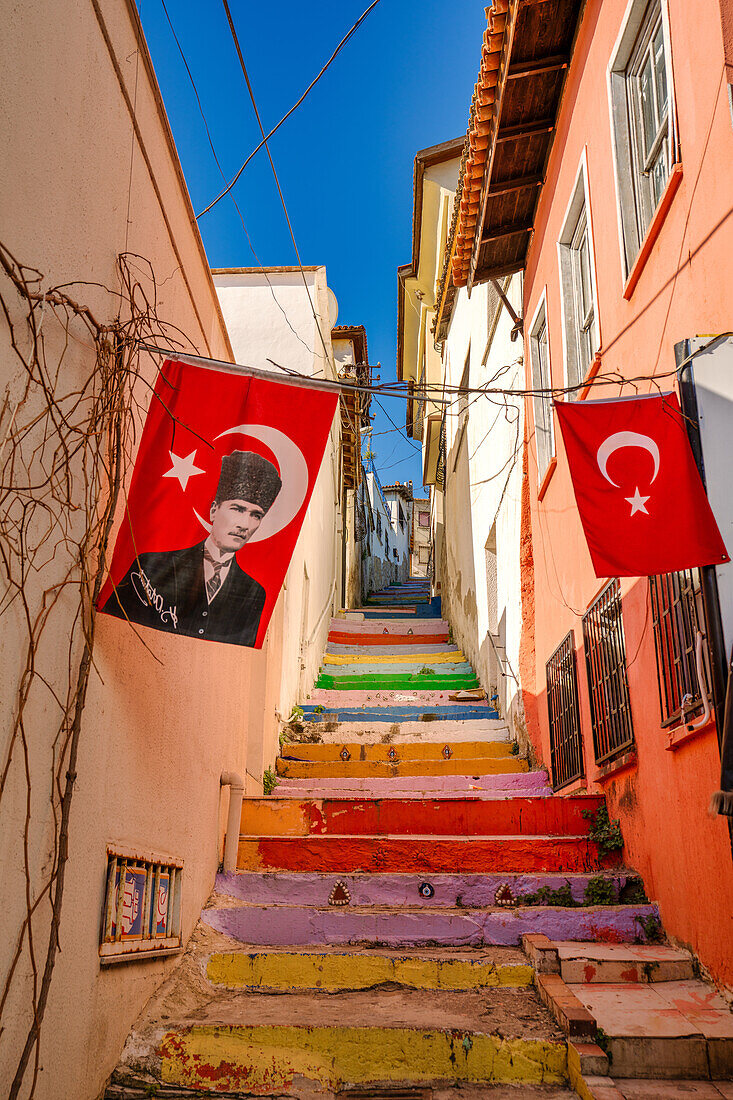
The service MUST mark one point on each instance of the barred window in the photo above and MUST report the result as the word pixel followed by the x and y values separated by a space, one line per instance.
pixel 566 745
pixel 605 656
pixel 142 908
pixel 677 616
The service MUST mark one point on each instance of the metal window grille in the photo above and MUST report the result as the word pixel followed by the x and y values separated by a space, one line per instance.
pixel 566 745
pixel 142 907
pixel 677 616
pixel 605 656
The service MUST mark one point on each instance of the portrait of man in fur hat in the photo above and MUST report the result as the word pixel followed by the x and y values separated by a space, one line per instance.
pixel 201 591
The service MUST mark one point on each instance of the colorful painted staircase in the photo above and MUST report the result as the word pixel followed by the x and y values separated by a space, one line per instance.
pixel 398 899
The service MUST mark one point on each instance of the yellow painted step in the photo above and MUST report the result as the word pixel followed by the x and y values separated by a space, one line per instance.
pixel 333 972
pixel 391 659
pixel 361 769
pixel 270 1059
pixel 408 750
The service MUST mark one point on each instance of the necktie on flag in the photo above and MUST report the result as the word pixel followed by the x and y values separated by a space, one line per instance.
pixel 641 501
pixel 225 472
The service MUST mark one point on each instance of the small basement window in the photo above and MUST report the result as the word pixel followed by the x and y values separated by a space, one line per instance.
pixel 142 908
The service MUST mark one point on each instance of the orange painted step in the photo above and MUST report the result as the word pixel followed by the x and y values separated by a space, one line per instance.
pixel 290 817
pixel 421 854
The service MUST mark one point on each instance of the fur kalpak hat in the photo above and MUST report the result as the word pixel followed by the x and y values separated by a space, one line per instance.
pixel 248 476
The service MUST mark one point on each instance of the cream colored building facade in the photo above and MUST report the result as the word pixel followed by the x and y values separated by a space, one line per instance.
pixel 472 443
pixel 89 170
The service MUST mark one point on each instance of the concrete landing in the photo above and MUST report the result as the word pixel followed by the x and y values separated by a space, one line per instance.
pixel 395 733
pixel 665 1030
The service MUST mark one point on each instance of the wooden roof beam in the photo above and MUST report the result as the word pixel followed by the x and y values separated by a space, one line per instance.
pixel 506 231
pixel 519 184
pixel 526 129
pixel 535 68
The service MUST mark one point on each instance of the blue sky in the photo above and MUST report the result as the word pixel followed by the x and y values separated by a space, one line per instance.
pixel 345 158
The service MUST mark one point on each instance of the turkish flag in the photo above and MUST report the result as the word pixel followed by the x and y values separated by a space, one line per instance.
pixel 221 484
pixel 641 501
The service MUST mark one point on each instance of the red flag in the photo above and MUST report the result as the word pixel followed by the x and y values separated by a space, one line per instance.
pixel 641 500
pixel 221 485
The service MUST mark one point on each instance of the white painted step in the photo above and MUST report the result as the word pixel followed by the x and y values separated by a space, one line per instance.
pixel 371 733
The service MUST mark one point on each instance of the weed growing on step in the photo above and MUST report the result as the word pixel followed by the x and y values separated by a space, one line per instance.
pixel 318 709
pixel 426 671
pixel 650 929
pixel 600 891
pixel 633 893
pixel 269 781
pixel 514 748
pixel 602 1040
pixel 605 832
pixel 563 896
pixel 296 714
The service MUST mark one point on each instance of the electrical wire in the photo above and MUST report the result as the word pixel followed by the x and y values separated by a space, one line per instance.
pixel 295 106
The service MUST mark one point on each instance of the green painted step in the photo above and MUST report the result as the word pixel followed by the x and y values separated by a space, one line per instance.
pixel 417 680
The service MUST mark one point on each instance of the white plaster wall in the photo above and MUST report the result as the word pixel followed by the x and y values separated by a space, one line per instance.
pixel 255 305
pixel 483 492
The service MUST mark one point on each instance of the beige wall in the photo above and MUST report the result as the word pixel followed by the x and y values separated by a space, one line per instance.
pixel 164 718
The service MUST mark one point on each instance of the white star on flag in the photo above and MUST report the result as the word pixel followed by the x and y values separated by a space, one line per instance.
pixel 183 468
pixel 637 502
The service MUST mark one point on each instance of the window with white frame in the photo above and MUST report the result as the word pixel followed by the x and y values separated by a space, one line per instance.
pixel 580 318
pixel 542 403
pixel 643 119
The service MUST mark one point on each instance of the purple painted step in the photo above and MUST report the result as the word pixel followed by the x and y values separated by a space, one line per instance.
pixel 280 925
pixel 511 784
pixel 473 890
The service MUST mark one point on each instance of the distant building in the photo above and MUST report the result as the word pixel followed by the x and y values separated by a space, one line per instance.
pixel 399 500
pixel 421 542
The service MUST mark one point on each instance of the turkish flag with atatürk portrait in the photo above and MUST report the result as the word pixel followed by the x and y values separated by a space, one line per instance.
pixel 641 500
pixel 222 481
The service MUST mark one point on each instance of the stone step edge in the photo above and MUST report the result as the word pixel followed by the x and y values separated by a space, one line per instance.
pixel 231 969
pixel 398 1057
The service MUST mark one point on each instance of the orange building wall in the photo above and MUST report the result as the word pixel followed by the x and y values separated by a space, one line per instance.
pixel 684 289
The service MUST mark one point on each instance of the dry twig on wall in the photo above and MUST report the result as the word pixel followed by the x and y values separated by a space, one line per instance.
pixel 67 427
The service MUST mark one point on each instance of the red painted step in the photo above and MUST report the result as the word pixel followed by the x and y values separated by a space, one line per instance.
pixel 289 817
pixel 421 854
pixel 347 638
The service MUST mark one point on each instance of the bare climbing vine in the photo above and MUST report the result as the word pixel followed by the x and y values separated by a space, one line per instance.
pixel 67 425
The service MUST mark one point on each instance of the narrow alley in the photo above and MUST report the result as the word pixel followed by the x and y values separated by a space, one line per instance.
pixel 413 909
pixel 366 550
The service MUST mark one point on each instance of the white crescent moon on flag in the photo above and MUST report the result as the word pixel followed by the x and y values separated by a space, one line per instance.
pixel 626 439
pixel 293 472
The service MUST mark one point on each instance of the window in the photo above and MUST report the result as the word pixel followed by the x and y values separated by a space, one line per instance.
pixel 142 908
pixel 379 526
pixel 605 657
pixel 577 280
pixel 542 403
pixel 566 746
pixel 423 554
pixel 677 614
pixel 643 121
pixel 423 519
pixel 395 553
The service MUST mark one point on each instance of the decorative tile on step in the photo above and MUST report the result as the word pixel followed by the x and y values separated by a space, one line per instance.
pixel 460 891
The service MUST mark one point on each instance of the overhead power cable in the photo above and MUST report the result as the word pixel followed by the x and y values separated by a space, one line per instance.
pixel 266 137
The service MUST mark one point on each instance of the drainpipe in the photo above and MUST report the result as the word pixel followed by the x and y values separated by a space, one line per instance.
pixel 235 783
